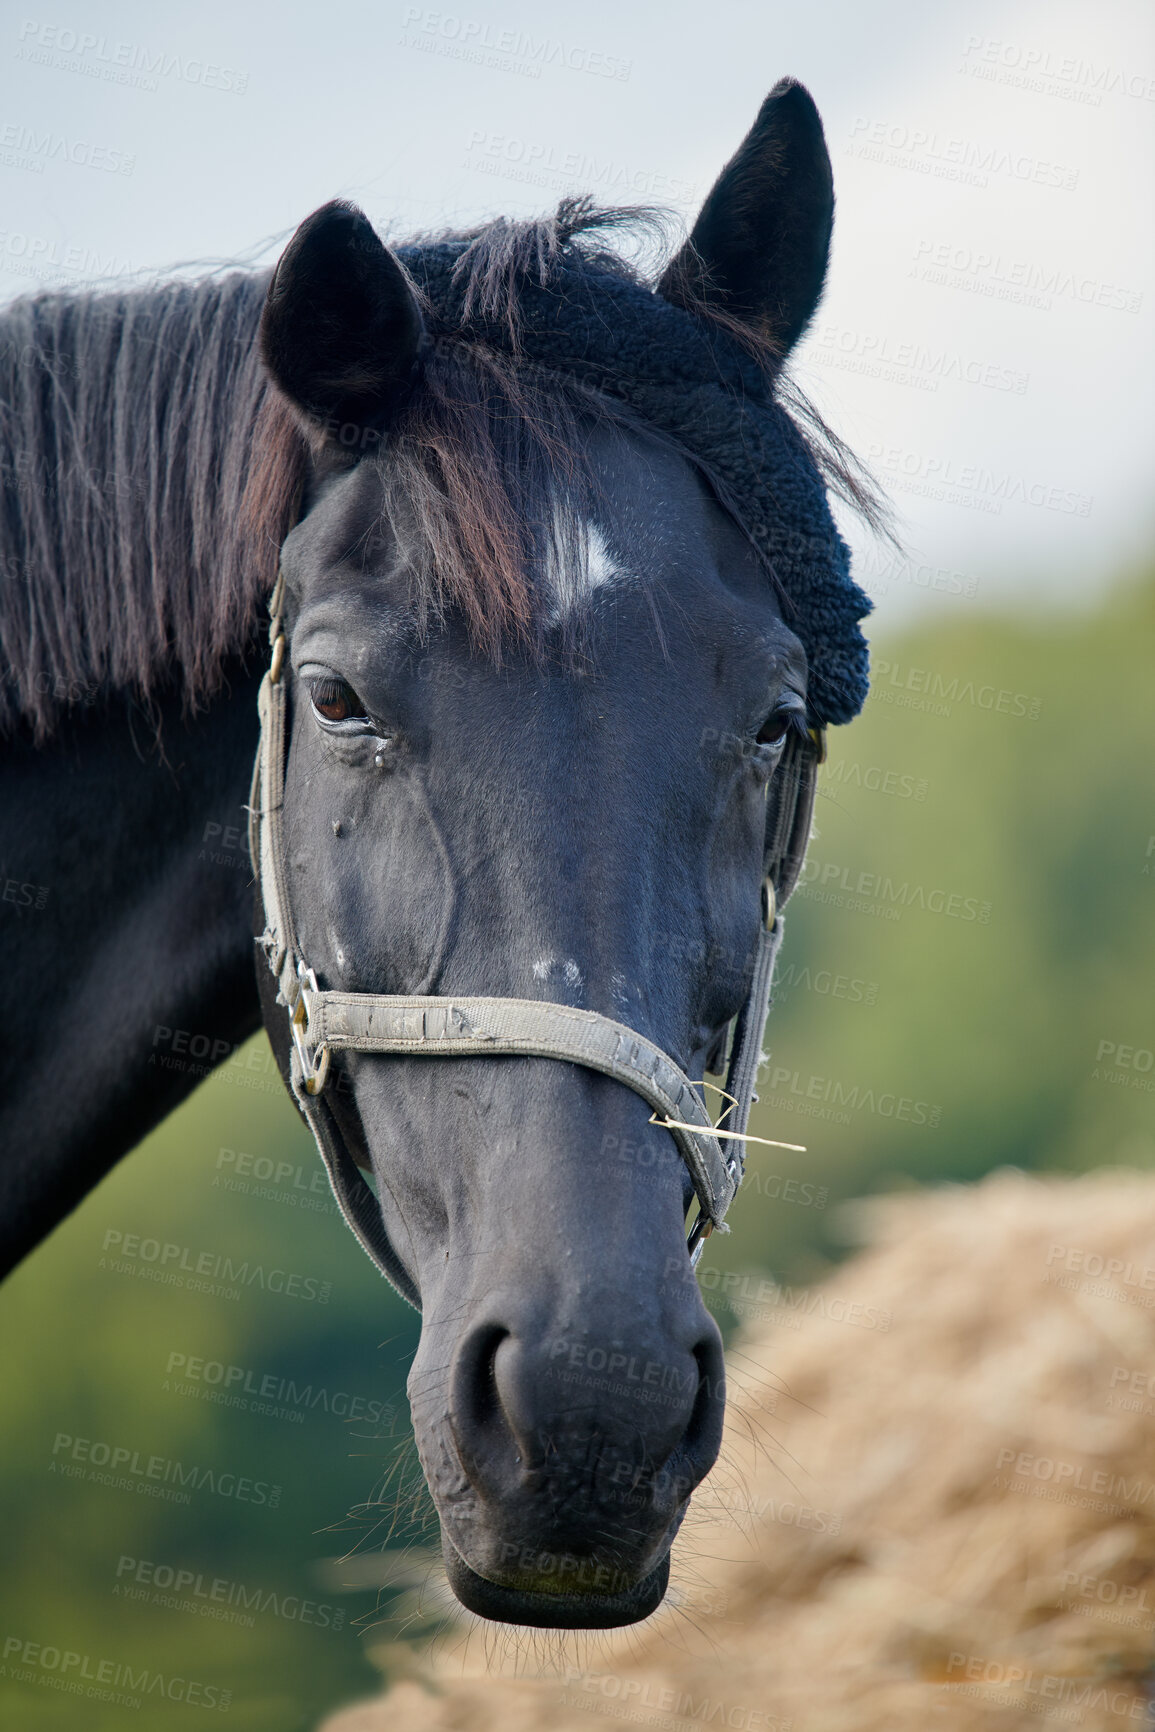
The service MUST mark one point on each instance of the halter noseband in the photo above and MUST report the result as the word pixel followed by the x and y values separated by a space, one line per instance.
pixel 323 1022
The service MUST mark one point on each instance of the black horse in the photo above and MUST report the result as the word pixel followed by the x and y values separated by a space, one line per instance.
pixel 561 593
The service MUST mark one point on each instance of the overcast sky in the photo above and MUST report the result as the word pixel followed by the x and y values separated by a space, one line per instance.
pixel 986 333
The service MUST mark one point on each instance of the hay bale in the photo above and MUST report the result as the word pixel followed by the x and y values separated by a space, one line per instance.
pixel 935 1507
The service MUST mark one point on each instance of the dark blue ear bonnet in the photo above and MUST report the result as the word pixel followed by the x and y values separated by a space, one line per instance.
pixel 699 386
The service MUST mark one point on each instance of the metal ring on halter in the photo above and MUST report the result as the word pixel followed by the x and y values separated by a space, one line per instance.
pixel 314 1061
pixel 769 902
pixel 699 1233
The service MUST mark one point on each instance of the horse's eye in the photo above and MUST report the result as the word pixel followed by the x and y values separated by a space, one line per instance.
pixel 775 728
pixel 334 700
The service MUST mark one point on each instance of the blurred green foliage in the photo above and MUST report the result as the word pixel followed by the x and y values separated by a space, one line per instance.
pixel 97 1348
pixel 966 984
pixel 967 971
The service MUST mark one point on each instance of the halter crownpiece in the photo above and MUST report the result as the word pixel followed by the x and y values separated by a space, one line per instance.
pixel 323 1022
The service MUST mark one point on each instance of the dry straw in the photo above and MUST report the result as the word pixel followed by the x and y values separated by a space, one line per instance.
pixel 935 1509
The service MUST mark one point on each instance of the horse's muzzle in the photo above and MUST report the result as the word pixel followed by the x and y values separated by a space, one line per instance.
pixel 571 1608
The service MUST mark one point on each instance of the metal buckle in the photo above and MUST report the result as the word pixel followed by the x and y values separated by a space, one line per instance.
pixel 314 1065
pixel 699 1233
pixel 769 903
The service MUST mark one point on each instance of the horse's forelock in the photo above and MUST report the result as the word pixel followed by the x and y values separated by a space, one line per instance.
pixel 152 473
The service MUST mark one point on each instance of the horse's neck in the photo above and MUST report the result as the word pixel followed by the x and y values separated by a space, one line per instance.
pixel 131 959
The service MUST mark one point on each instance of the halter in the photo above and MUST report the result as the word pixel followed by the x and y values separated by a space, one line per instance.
pixel 323 1022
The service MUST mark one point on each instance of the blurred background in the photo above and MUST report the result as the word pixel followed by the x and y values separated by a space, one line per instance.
pixel 966 979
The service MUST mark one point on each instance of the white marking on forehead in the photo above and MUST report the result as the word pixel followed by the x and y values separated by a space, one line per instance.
pixel 574 580
pixel 601 566
pixel 567 968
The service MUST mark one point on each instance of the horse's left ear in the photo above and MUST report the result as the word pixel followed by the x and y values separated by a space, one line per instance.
pixel 759 247
pixel 341 332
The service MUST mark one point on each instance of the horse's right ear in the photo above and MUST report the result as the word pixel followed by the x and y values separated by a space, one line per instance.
pixel 341 333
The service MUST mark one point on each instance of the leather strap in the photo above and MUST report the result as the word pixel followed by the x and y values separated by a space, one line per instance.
pixel 529 1028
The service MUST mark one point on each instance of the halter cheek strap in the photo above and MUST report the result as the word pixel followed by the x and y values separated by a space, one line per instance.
pixel 323 1022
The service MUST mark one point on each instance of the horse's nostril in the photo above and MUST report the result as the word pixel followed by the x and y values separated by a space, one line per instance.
pixel 703 1435
pixel 480 1426
pixel 513 1419
pixel 486 1398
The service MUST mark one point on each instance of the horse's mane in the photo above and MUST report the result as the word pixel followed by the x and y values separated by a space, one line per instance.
pixel 149 471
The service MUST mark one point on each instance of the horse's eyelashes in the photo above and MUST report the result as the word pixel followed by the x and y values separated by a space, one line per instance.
pixel 335 700
pixel 779 724
pixel 774 730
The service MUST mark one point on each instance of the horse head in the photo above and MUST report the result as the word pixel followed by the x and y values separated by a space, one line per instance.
pixel 539 684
